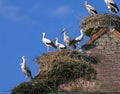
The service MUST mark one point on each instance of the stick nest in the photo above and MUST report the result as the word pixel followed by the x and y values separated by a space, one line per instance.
pixel 56 68
pixel 93 23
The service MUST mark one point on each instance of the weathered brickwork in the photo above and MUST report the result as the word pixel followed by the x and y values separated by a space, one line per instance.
pixel 108 69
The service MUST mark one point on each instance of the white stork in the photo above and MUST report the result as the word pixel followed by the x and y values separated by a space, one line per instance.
pixel 25 69
pixel 79 38
pixel 111 6
pixel 67 40
pixel 47 42
pixel 90 8
pixel 59 45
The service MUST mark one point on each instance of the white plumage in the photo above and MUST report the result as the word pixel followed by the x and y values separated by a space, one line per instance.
pixel 90 8
pixel 111 6
pixel 59 45
pixel 25 69
pixel 47 42
pixel 67 40
pixel 79 38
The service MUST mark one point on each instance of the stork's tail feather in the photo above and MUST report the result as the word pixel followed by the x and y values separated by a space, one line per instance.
pixel 115 7
pixel 94 12
pixel 64 47
pixel 31 77
pixel 73 46
pixel 55 46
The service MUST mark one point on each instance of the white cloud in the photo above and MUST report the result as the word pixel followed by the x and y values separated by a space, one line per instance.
pixel 61 11
pixel 13 13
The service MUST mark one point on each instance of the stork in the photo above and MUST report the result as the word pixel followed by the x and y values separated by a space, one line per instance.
pixel 67 40
pixel 90 8
pixel 79 38
pixel 47 42
pixel 25 69
pixel 111 6
pixel 59 45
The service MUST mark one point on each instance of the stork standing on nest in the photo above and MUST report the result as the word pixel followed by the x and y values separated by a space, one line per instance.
pixel 25 69
pixel 111 6
pixel 67 40
pixel 90 8
pixel 47 42
pixel 79 38
pixel 59 45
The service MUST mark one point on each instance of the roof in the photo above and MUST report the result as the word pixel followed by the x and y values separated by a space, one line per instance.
pixel 98 34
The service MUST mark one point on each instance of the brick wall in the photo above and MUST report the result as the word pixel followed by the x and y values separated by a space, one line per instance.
pixel 108 69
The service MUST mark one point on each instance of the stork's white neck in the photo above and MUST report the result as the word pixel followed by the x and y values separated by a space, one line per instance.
pixel 43 36
pixel 81 31
pixel 24 61
pixel 64 33
pixel 85 3
pixel 56 41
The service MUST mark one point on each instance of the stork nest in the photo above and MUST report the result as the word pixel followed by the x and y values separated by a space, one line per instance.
pixel 93 23
pixel 57 68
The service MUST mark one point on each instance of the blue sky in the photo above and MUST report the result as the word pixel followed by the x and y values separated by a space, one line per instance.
pixel 21 25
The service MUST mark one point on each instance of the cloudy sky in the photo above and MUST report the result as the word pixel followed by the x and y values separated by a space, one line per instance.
pixel 21 25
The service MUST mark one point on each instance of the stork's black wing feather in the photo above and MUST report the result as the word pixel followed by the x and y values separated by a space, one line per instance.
pixel 114 5
pixel 73 46
pixel 94 11
pixel 74 41
pixel 52 44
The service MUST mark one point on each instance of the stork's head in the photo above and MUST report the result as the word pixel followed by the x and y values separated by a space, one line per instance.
pixel 81 30
pixel 85 3
pixel 56 38
pixel 23 57
pixel 43 33
pixel 64 30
